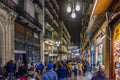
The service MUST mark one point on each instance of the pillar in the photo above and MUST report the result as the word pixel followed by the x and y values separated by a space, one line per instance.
pixel 42 47
pixel 6 35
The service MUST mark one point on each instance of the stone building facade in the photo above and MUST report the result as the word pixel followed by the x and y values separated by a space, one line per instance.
pixel 13 14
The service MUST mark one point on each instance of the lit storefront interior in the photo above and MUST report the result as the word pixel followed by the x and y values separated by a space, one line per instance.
pixel 116 50
pixel 99 49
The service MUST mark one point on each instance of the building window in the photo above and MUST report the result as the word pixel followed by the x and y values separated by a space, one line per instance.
pixel 37 16
pixel 29 35
pixel 19 32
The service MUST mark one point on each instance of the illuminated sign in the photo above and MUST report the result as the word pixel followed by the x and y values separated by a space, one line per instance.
pixel 19 52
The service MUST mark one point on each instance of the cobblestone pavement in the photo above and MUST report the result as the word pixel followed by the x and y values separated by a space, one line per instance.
pixel 86 77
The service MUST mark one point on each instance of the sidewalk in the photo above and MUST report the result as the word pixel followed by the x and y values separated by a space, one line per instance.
pixel 87 76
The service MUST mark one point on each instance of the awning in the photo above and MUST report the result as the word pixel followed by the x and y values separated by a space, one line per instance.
pixel 98 15
pixel 101 6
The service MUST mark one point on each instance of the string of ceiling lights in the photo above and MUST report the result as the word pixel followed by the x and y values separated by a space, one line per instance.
pixel 73 7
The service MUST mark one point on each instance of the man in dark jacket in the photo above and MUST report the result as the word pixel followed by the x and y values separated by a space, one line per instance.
pixel 62 72
pixel 22 70
pixel 10 69
pixel 101 75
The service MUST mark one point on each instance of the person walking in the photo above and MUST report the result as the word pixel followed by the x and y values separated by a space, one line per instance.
pixel 62 72
pixel 40 66
pixel 84 68
pixel 100 75
pixel 49 74
pixel 22 70
pixel 33 74
pixel 80 66
pixel 69 66
pixel 11 70
pixel 75 70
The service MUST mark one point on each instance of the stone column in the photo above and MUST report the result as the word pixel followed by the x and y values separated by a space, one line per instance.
pixel 7 32
pixel 10 35
pixel 42 47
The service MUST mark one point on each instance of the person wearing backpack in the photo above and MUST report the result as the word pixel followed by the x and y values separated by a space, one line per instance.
pixel 49 74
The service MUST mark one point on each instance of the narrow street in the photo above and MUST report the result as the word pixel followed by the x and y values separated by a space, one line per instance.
pixel 52 39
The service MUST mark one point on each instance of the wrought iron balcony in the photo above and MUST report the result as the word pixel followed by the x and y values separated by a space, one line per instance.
pixel 15 7
pixel 51 10
pixel 39 3
pixel 47 19
pixel 48 34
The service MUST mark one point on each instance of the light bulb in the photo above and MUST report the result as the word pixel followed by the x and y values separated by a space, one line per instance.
pixel 69 9
pixel 77 8
pixel 73 15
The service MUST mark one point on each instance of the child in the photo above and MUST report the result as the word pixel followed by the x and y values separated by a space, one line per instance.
pixel 75 71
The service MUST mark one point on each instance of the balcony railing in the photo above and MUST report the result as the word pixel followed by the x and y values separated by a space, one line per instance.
pixel 39 3
pixel 12 5
pixel 51 11
pixel 48 34
pixel 47 19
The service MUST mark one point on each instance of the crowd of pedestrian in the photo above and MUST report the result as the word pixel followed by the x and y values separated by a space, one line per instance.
pixel 60 70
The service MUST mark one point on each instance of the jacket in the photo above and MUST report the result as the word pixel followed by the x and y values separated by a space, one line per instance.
pixel 49 75
pixel 62 72
pixel 10 67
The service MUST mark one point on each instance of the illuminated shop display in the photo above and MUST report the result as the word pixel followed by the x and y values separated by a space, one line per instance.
pixel 100 46
pixel 99 50
pixel 116 50
pixel 92 54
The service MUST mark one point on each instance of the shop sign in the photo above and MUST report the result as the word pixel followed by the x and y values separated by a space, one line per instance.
pixel 19 52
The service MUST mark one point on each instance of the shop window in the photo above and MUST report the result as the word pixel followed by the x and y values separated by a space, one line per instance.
pixel 19 31
pixel 116 50
pixel 36 38
pixel 29 52
pixel 33 53
pixel 29 35
pixel 19 45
